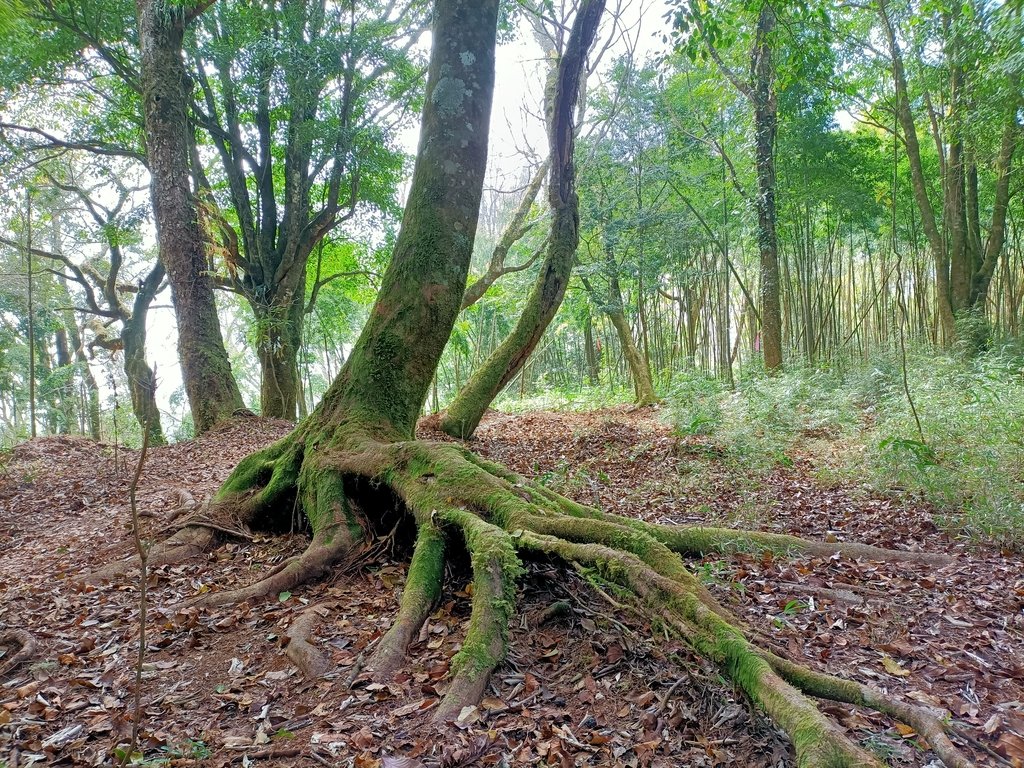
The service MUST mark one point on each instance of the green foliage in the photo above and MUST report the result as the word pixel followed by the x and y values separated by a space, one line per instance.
pixel 696 403
pixel 969 467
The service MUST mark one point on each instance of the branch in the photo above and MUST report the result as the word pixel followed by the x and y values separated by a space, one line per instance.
pixel 321 283
pixel 96 148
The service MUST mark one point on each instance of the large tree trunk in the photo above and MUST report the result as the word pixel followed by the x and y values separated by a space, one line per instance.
pixel 206 369
pixel 279 328
pixel 353 465
pixel 384 383
pixel 765 126
pixel 464 414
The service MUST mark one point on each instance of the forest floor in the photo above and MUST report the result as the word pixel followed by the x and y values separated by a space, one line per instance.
pixel 589 684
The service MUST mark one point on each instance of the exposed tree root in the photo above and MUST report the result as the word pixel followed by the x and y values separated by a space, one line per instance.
pixel 304 655
pixel 185 544
pixel 23 641
pixel 931 726
pixel 329 547
pixel 422 589
pixel 457 498
pixel 495 568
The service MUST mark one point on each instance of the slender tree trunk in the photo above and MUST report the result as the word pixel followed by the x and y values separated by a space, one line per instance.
pixel 639 371
pixel 918 183
pixel 636 363
pixel 206 369
pixel 67 388
pixel 996 241
pixel 141 379
pixel 592 357
pixel 502 365
pixel 82 361
pixel 765 126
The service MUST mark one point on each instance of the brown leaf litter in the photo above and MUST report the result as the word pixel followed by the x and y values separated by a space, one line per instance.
pixel 586 682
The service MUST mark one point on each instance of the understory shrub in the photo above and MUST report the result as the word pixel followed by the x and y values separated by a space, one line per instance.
pixel 967 460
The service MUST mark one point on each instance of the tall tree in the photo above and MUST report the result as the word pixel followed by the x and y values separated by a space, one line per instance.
pixel 703 34
pixel 164 84
pixel 464 413
pixel 300 101
pixel 964 262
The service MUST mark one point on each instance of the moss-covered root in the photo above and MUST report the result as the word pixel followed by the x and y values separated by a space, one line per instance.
pixel 650 550
pixel 262 482
pixel 818 742
pixel 696 541
pixel 930 726
pixel 495 569
pixel 337 532
pixel 422 589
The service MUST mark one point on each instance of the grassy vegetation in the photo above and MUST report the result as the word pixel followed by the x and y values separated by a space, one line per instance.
pixel 857 423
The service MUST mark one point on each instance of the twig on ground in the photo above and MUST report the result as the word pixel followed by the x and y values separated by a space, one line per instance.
pixel 21 638
pixel 142 548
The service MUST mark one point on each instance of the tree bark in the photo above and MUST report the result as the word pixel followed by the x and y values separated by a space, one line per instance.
pixel 141 378
pixel 593 357
pixel 464 414
pixel 765 127
pixel 385 380
pixel 206 368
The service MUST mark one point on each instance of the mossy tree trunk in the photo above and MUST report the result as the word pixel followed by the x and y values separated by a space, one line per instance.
pixel 354 462
pixel 205 366
pixel 463 415
pixel 141 377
